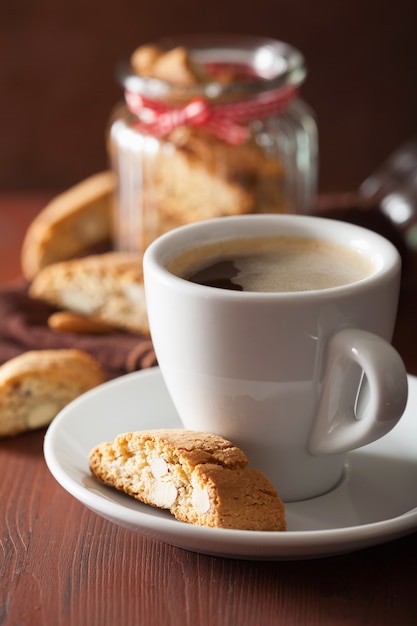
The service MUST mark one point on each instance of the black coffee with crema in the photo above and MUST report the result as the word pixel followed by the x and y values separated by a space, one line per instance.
pixel 272 264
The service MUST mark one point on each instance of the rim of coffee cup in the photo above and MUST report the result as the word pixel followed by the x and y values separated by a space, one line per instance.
pixel 382 253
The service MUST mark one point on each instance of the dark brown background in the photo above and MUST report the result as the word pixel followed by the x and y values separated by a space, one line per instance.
pixel 58 60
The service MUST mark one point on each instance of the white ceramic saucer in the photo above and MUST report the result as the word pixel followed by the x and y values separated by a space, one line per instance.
pixel 376 501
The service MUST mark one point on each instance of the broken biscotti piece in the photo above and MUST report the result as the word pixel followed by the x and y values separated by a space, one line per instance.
pixel 103 287
pixel 71 224
pixel 200 477
pixel 36 385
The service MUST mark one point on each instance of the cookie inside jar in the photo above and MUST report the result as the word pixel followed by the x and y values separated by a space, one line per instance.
pixel 209 127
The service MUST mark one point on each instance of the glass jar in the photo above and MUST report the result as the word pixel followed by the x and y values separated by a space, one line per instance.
pixel 393 187
pixel 240 141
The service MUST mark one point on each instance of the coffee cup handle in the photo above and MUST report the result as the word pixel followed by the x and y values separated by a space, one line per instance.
pixel 364 392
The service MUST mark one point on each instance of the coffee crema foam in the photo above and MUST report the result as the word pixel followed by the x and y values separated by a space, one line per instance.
pixel 272 264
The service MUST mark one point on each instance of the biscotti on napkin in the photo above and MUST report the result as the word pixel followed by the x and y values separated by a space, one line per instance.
pixel 104 287
pixel 199 477
pixel 37 384
pixel 72 223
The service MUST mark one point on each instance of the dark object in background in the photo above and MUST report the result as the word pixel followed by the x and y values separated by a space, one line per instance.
pixel 386 201
pixel 356 209
pixel 394 188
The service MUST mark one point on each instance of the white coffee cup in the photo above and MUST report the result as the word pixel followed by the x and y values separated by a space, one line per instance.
pixel 279 373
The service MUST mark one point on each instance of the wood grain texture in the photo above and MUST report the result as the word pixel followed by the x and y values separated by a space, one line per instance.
pixel 62 565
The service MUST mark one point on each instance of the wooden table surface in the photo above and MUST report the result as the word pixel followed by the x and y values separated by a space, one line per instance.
pixel 62 564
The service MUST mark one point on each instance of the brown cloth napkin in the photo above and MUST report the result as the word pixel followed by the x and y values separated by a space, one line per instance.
pixel 23 326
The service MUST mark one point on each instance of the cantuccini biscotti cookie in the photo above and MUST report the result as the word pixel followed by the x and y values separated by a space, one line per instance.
pixel 189 188
pixel 104 287
pixel 200 477
pixel 72 223
pixel 36 385
pixel 214 179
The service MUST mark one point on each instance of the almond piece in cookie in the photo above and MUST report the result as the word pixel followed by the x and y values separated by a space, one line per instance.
pixel 199 477
pixel 143 59
pixel 36 385
pixel 106 287
pixel 174 66
pixel 71 224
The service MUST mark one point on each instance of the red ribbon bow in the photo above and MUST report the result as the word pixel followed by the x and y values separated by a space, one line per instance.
pixel 225 121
